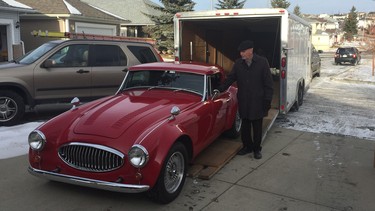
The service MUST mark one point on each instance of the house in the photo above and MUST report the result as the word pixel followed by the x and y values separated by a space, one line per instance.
pixel 133 10
pixel 11 45
pixel 65 16
pixel 325 31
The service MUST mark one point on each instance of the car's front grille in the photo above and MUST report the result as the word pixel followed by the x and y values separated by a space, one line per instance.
pixel 91 157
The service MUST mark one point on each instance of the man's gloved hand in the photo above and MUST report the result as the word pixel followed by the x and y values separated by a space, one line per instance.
pixel 266 106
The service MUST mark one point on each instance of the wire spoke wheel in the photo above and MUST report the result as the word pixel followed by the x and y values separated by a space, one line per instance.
pixel 174 172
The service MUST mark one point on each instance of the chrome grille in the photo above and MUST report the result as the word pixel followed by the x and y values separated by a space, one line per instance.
pixel 91 157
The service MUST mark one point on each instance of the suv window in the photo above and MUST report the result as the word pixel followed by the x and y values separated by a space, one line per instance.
pixel 71 56
pixel 108 55
pixel 34 55
pixel 345 50
pixel 143 54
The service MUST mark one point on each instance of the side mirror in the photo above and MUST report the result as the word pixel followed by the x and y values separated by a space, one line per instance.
pixel 49 63
pixel 75 102
pixel 215 93
pixel 174 112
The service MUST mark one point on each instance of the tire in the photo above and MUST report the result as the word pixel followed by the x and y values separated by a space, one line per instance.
pixel 300 95
pixel 12 108
pixel 172 175
pixel 299 100
pixel 235 130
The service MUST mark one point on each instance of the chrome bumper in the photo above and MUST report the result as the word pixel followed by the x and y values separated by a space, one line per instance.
pixel 98 184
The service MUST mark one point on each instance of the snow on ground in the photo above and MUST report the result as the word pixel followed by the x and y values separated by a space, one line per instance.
pixel 341 101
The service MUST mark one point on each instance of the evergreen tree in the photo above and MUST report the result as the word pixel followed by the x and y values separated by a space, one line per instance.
pixel 163 29
pixel 297 11
pixel 350 24
pixel 230 4
pixel 280 4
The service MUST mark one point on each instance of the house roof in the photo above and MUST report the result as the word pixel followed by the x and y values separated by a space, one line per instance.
pixel 73 8
pixel 133 10
pixel 14 6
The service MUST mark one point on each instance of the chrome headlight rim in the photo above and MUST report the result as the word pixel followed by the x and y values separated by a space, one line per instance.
pixel 138 156
pixel 37 140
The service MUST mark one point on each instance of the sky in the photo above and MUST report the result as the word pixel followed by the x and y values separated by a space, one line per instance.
pixel 348 120
pixel 306 6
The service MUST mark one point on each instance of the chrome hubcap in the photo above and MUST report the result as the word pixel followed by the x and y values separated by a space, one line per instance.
pixel 8 109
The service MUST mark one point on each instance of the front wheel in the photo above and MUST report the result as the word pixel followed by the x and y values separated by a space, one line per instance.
pixel 172 176
pixel 12 108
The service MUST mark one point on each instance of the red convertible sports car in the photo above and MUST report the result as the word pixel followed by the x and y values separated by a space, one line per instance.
pixel 141 139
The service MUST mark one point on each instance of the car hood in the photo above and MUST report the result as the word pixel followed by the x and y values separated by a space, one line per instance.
pixel 10 65
pixel 133 111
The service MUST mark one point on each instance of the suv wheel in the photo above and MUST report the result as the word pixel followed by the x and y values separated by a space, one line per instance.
pixel 12 108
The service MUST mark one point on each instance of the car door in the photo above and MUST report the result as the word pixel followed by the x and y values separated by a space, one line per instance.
pixel 219 104
pixel 109 65
pixel 68 75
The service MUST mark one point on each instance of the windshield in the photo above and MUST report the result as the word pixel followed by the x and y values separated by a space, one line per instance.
pixel 168 79
pixel 36 54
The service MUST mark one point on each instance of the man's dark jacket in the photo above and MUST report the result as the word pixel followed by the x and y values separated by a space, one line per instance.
pixel 255 87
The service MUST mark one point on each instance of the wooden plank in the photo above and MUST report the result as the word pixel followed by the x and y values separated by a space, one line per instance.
pixel 212 159
pixel 217 153
pixel 194 170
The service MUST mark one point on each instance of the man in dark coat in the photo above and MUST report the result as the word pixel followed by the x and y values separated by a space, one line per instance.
pixel 255 89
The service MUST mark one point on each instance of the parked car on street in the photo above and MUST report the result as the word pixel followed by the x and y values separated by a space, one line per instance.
pixel 347 55
pixel 142 138
pixel 315 62
pixel 59 70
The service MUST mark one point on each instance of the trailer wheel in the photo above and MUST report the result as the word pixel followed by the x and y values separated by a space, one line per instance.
pixel 300 95
pixel 299 100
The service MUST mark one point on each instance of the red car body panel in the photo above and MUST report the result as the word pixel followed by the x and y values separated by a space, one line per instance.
pixel 139 116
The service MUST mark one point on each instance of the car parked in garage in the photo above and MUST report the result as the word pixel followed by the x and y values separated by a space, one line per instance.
pixel 142 138
pixel 59 70
pixel 347 55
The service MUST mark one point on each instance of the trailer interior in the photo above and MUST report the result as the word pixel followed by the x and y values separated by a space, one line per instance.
pixel 215 42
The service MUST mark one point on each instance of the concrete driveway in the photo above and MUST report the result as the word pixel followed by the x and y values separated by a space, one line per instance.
pixel 298 171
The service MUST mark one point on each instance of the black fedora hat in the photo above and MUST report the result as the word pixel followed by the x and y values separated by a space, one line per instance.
pixel 245 45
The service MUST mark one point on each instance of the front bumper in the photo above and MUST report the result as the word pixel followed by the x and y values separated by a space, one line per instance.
pixel 98 184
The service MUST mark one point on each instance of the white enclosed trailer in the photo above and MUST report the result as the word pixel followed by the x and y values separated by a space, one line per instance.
pixel 284 39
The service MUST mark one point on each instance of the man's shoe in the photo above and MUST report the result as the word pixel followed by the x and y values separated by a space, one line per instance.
pixel 257 155
pixel 244 151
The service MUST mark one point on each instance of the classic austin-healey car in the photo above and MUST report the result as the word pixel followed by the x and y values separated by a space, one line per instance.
pixel 141 139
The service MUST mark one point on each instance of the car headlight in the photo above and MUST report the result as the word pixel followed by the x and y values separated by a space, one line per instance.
pixel 37 140
pixel 138 156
